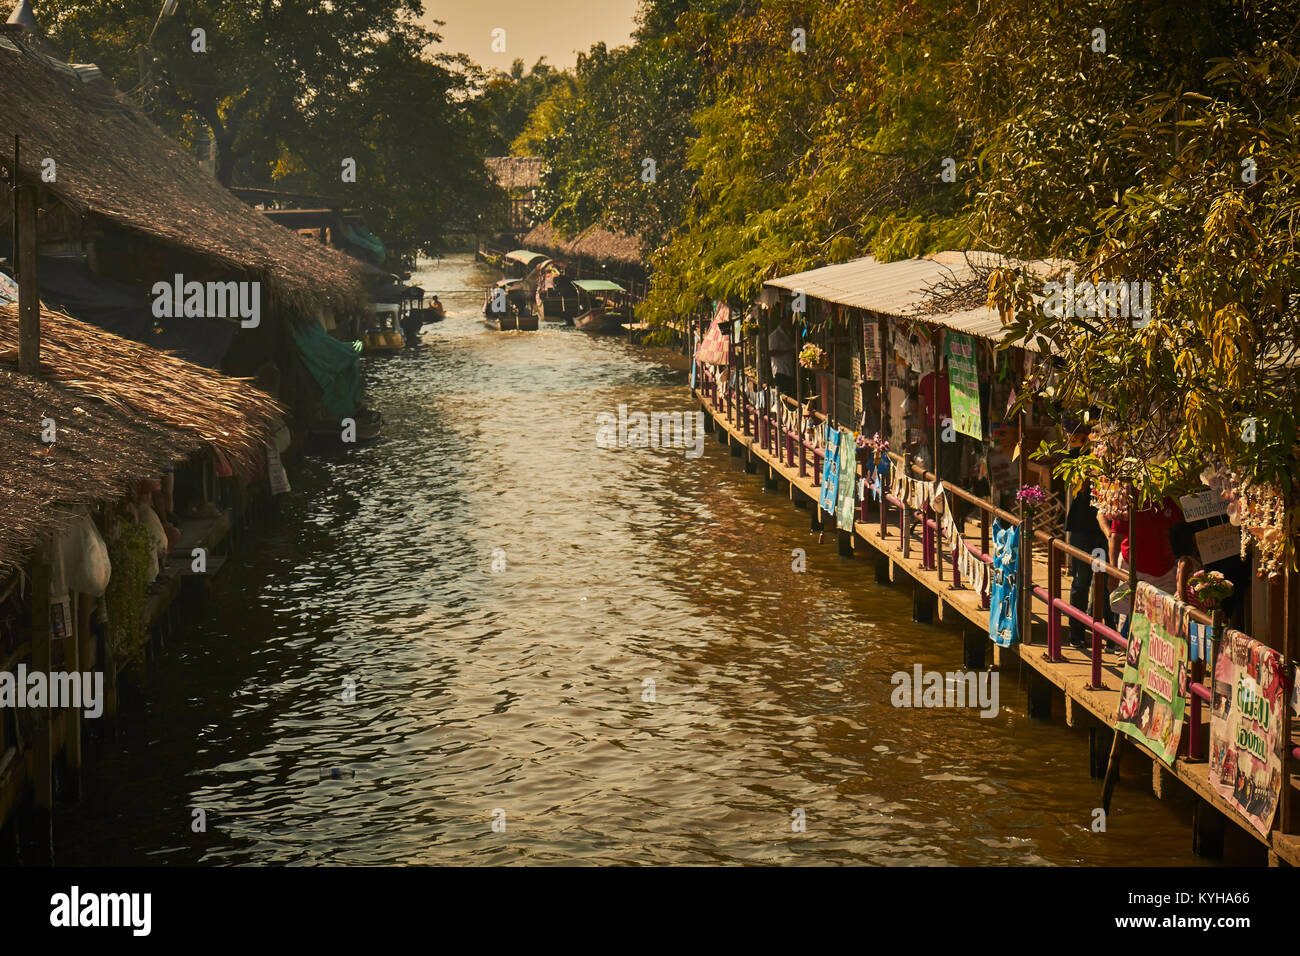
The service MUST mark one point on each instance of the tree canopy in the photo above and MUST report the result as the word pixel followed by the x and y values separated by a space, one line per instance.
pixel 289 89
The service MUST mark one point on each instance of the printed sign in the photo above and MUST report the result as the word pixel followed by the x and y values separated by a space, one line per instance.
pixel 830 471
pixel 1218 542
pixel 1245 722
pixel 1004 616
pixel 1154 692
pixel 848 470
pixel 1206 504
pixel 963 384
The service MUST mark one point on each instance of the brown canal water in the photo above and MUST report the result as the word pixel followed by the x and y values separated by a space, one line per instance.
pixel 522 690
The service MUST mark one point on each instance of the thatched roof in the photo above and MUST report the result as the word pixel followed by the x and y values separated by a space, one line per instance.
pixel 113 162
pixel 123 412
pixel 594 243
pixel 516 172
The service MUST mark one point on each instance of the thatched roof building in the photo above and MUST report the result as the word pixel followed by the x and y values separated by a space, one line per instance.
pixel 113 429
pixel 515 172
pixel 114 167
pixel 598 245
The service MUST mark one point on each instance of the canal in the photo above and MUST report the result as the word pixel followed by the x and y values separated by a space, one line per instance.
pixel 522 694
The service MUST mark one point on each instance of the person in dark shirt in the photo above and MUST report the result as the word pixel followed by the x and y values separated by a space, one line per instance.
pixel 1084 533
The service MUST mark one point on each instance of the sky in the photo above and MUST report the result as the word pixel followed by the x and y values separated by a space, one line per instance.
pixel 556 29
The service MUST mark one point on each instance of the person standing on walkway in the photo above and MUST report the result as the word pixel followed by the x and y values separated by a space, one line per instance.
pixel 1083 532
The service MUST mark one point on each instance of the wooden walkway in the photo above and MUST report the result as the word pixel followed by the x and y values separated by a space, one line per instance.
pixel 1069 677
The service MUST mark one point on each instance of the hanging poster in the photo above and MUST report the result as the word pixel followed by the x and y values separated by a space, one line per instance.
pixel 848 469
pixel 695 345
pixel 1154 692
pixel 1245 721
pixel 872 361
pixel 963 384
pixel 1004 616
pixel 830 471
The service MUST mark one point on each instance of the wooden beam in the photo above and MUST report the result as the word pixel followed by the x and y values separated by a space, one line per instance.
pixel 29 303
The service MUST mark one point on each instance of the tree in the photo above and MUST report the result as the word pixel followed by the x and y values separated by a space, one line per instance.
pixel 1150 164
pixel 508 100
pixel 289 89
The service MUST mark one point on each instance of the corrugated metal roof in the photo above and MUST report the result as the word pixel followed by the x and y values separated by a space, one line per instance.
pixel 898 288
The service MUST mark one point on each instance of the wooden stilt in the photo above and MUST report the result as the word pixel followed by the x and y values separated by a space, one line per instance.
pixel 973 646
pixel 922 605
pixel 845 544
pixel 1100 740
pixel 1208 826
pixel 1039 690
pixel 882 569
pixel 1112 770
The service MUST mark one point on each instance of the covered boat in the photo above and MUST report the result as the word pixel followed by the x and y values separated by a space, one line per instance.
pixel 604 305
pixel 506 307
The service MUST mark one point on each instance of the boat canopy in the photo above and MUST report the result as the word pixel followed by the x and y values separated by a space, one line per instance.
pixel 598 285
pixel 524 257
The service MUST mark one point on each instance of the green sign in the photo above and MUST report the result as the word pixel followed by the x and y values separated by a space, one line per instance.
pixel 963 384
pixel 1154 692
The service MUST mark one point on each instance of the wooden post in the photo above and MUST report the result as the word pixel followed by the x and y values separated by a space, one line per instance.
pixel 42 765
pixel 833 410
pixel 29 292
pixel 1132 558
pixel 974 646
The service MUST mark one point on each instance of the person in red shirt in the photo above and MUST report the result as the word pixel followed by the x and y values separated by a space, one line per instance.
pixel 1156 563
pixel 927 396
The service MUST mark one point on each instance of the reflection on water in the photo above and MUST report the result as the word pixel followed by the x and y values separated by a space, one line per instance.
pixel 527 690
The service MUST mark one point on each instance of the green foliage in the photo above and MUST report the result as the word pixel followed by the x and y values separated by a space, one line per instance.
pixel 807 158
pixel 1130 164
pixel 508 101
pixel 289 89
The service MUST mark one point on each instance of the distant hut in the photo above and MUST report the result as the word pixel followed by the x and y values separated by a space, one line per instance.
pixel 519 176
pixel 595 253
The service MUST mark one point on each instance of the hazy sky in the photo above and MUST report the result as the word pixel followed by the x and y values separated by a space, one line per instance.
pixel 556 29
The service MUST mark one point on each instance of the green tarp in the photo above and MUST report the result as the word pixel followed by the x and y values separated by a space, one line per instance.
pixel 336 368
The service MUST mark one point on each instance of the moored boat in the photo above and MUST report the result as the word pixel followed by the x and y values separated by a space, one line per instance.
pixel 604 306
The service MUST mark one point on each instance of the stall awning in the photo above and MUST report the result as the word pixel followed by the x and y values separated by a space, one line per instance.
pixel 598 285
pixel 898 289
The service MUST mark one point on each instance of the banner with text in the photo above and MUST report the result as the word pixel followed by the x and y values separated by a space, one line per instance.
pixel 963 384
pixel 830 471
pixel 1245 722
pixel 1154 692
pixel 848 481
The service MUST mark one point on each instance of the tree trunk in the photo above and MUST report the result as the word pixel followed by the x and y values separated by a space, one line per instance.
pixel 226 156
